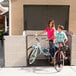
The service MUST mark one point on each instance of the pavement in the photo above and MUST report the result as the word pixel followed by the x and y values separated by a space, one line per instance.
pixel 38 71
pixel 1 55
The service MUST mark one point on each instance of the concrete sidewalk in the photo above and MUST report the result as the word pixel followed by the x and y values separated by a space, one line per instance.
pixel 34 71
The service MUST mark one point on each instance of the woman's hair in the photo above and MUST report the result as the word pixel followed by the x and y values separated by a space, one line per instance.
pixel 61 27
pixel 53 24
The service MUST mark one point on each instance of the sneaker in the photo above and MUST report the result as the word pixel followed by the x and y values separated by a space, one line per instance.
pixel 61 65
pixel 65 58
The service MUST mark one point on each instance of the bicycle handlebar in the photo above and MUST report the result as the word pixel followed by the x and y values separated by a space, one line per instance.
pixel 55 43
pixel 37 39
pixel 60 43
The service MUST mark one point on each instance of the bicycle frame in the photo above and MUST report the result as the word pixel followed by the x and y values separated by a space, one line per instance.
pixel 59 52
pixel 38 46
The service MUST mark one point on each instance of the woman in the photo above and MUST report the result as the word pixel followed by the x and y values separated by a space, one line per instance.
pixel 51 36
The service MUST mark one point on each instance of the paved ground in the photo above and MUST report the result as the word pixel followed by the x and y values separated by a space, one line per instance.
pixel 38 71
pixel 1 54
pixel 45 62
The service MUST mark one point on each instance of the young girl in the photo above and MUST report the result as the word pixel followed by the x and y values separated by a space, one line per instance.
pixel 51 35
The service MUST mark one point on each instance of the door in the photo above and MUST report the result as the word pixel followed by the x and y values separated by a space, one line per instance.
pixel 36 17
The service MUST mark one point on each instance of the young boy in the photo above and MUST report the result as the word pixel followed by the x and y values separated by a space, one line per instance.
pixel 60 36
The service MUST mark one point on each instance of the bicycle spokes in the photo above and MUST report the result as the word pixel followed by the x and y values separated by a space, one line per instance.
pixel 59 60
pixel 32 56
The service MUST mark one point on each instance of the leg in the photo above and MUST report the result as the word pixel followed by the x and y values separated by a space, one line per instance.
pixel 50 47
pixel 52 51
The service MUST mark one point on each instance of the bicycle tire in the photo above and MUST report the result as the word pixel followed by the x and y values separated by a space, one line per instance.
pixel 58 62
pixel 32 56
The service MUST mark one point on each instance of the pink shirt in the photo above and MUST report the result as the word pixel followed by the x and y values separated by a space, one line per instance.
pixel 50 32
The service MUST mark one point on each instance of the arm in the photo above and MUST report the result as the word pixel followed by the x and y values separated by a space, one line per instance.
pixel 41 33
pixel 66 39
pixel 51 37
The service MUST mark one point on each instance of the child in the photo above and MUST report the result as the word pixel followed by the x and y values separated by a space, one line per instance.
pixel 60 36
pixel 50 34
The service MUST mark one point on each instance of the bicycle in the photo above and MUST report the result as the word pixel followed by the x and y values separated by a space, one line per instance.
pixel 59 57
pixel 45 51
pixel 34 51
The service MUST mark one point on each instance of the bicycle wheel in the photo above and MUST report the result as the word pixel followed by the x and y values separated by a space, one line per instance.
pixel 32 55
pixel 59 60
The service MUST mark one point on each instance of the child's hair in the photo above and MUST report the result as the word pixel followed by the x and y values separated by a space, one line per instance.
pixel 61 27
pixel 53 24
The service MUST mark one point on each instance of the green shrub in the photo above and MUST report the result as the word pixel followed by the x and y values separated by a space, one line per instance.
pixel 1 34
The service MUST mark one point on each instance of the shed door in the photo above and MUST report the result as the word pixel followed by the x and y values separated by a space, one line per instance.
pixel 36 17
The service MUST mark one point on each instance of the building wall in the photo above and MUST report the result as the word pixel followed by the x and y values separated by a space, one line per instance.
pixel 14 51
pixel 17 20
pixel 73 52
pixel 17 17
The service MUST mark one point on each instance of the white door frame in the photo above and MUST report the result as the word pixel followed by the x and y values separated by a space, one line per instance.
pixel 10 24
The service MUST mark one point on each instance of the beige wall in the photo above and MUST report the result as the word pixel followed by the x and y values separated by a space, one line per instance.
pixel 17 19
pixel 15 53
